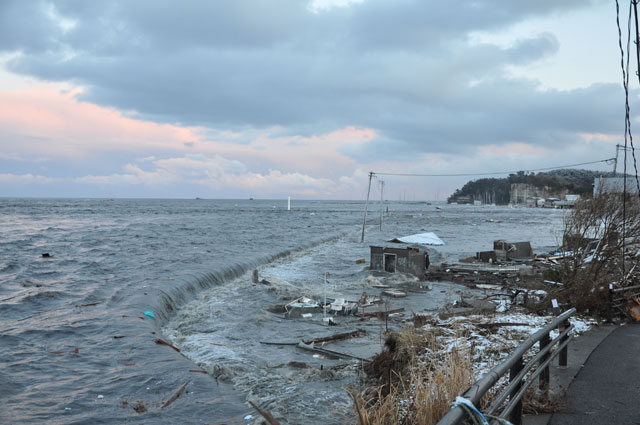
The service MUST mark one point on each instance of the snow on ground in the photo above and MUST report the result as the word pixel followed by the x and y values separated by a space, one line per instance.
pixel 490 346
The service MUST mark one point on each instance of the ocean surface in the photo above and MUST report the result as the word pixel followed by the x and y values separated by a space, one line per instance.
pixel 77 347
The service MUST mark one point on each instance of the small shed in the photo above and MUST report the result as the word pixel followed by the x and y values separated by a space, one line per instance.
pixel 412 260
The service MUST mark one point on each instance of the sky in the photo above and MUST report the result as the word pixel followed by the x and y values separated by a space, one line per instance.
pixel 278 98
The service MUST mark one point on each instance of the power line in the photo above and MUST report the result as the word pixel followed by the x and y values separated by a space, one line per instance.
pixel 492 173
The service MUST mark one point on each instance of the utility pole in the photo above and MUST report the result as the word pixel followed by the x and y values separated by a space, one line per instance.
pixel 366 206
pixel 618 149
pixel 381 202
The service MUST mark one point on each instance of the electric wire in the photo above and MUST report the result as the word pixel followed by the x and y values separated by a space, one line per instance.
pixel 492 173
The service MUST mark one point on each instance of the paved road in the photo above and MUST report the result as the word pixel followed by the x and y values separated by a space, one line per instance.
pixel 607 389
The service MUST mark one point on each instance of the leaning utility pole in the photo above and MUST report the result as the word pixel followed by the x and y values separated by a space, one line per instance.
pixel 366 206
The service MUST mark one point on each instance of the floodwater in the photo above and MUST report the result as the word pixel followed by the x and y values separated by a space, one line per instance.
pixel 76 346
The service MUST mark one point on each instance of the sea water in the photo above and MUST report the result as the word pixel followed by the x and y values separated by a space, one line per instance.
pixel 77 347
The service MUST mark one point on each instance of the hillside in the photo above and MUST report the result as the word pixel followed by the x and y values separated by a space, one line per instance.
pixel 497 190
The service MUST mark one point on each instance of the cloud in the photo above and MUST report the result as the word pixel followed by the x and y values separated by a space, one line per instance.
pixel 46 120
pixel 288 95
pixel 217 173
pixel 407 69
pixel 10 179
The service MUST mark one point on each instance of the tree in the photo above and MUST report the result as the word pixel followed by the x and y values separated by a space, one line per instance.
pixel 602 234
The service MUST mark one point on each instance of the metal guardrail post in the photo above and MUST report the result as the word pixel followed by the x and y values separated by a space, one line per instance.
pixel 563 356
pixel 517 373
pixel 516 414
pixel 543 382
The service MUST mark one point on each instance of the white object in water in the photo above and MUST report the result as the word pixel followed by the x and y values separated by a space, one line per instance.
pixel 307 315
pixel 338 304
pixel 289 204
pixel 428 238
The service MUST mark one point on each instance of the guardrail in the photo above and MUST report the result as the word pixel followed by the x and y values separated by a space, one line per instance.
pixel 519 377
pixel 619 298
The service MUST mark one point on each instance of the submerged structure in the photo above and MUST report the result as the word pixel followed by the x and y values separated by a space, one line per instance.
pixel 412 260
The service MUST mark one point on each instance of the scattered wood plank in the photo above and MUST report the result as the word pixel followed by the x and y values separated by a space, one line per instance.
pixel 163 342
pixel 198 371
pixel 330 353
pixel 337 337
pixel 499 324
pixel 265 414
pixel 175 395
pixel 382 314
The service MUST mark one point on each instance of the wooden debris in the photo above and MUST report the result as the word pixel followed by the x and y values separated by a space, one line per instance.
pixel 198 371
pixel 90 304
pixel 382 314
pixel 499 325
pixel 330 353
pixel 265 414
pixel 394 293
pixel 299 365
pixel 163 342
pixel 337 337
pixel 175 395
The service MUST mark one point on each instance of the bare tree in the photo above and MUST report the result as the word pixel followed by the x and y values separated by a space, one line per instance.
pixel 601 235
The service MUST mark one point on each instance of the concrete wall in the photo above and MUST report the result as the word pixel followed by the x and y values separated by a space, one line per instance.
pixel 407 260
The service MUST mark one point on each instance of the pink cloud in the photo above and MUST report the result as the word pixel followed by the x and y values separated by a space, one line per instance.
pixel 47 121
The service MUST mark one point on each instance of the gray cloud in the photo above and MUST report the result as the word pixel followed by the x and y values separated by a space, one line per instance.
pixel 405 68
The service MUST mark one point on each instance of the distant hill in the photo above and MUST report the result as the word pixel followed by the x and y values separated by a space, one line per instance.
pixel 497 190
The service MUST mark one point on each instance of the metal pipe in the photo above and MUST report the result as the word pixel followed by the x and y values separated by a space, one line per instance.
pixel 484 384
pixel 529 381
pixel 502 397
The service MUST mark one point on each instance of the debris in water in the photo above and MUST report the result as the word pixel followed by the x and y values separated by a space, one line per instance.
pixel 47 255
pixel 175 395
pixel 163 342
pixel 394 293
pixel 91 304
pixel 150 314
pixel 265 414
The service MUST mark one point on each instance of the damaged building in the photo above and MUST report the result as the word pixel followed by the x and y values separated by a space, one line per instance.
pixel 411 260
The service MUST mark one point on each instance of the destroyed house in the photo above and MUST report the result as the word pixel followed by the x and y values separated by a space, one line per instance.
pixel 410 260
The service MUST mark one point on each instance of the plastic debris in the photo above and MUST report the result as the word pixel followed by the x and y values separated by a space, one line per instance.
pixel 150 314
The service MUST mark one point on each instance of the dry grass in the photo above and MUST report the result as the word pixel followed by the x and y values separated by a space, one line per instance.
pixel 413 388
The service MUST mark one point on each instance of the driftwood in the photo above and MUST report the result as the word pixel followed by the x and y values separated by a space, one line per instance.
pixel 265 414
pixel 330 353
pixel 163 342
pixel 337 337
pixel 382 314
pixel 175 395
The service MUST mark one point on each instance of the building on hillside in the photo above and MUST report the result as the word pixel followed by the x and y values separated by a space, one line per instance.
pixel 532 196
pixel 614 185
